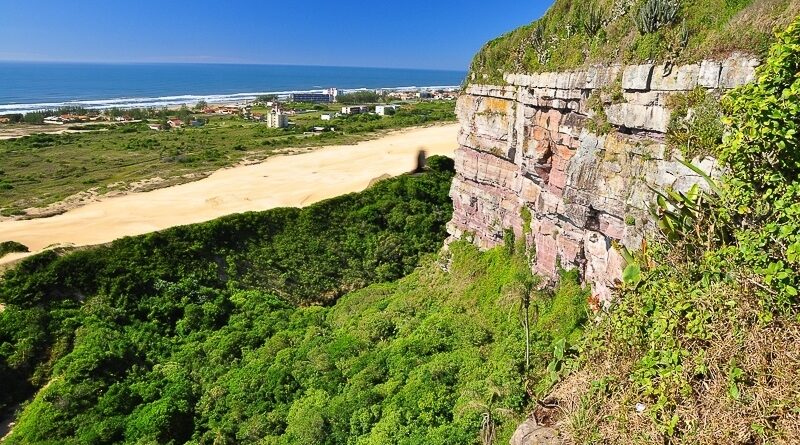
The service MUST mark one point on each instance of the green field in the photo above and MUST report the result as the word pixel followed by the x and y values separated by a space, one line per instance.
pixel 45 168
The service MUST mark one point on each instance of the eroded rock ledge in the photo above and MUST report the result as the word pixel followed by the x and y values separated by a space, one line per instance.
pixel 528 145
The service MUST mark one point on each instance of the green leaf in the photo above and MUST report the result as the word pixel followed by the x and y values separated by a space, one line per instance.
pixel 632 274
pixel 733 391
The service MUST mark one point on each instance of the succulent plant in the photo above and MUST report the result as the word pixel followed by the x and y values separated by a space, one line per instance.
pixel 656 13
pixel 593 20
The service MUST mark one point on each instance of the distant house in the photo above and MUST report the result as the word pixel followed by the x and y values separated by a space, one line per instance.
pixel 326 117
pixel 56 120
pixel 385 110
pixel 154 127
pixel 424 95
pixel 277 120
pixel 197 123
pixel 228 110
pixel 355 109
pixel 4 120
pixel 175 123
pixel 402 95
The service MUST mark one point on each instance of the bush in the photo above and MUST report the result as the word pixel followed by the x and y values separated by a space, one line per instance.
pixel 695 126
pixel 7 247
pixel 441 164
pixel 358 97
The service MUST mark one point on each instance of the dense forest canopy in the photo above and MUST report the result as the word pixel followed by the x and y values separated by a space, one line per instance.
pixel 237 330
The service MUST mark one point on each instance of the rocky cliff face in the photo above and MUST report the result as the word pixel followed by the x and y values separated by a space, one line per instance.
pixel 529 162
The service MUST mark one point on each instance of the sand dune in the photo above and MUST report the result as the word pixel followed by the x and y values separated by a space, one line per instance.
pixel 280 181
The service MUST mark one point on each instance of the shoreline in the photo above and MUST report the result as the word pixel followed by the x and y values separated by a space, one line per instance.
pixel 178 100
pixel 286 180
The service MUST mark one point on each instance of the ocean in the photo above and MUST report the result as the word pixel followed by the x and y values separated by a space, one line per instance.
pixel 30 86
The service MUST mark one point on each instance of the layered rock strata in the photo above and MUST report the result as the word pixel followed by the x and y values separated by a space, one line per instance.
pixel 529 162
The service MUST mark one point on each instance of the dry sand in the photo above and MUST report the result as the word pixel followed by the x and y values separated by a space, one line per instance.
pixel 280 181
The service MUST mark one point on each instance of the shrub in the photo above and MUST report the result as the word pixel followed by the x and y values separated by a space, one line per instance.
pixel 762 152
pixel 695 126
pixel 7 247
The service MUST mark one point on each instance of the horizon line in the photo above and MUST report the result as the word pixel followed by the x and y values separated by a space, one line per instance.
pixel 83 62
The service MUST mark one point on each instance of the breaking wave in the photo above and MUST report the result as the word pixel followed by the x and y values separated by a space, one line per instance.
pixel 172 101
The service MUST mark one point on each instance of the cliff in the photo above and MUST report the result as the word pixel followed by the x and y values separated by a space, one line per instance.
pixel 569 160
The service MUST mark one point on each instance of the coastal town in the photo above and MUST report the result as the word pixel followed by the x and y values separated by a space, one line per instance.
pixel 274 111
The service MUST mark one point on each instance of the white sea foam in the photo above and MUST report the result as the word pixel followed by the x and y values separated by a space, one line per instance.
pixel 172 101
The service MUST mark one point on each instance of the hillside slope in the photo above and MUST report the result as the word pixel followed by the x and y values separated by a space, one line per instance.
pixel 698 342
pixel 574 34
pixel 703 344
pixel 214 333
pixel 415 361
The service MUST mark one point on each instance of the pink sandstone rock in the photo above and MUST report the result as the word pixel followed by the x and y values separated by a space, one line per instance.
pixel 527 145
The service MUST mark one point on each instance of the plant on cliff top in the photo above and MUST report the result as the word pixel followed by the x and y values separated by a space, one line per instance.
pixel 713 28
pixel 655 14
pixel 592 21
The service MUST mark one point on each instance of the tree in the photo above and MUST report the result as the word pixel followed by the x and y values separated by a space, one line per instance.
pixel 14 118
pixel 36 117
pixel 358 97
pixel 200 105
pixel 522 290
pixel 264 98
pixel 184 114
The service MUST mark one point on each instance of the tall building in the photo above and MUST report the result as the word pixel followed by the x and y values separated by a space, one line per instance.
pixel 277 119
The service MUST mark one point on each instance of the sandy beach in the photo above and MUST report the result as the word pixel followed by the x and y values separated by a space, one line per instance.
pixel 280 181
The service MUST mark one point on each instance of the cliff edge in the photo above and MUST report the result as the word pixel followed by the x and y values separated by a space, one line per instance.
pixel 570 160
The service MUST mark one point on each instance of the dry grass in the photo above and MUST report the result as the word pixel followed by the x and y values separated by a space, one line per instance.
pixel 752 27
pixel 766 411
pixel 767 15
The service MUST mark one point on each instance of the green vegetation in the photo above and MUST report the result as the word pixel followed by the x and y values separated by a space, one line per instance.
pixel 44 168
pixel 706 334
pixel 695 126
pixel 195 333
pixel 574 34
pixel 598 123
pixel 288 327
pixel 7 247
pixel 656 14
pixel 359 97
pixel 306 256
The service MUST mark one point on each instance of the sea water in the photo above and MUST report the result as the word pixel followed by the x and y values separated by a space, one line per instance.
pixel 30 86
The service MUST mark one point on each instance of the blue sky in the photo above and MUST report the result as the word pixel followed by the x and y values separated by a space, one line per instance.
pixel 437 34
